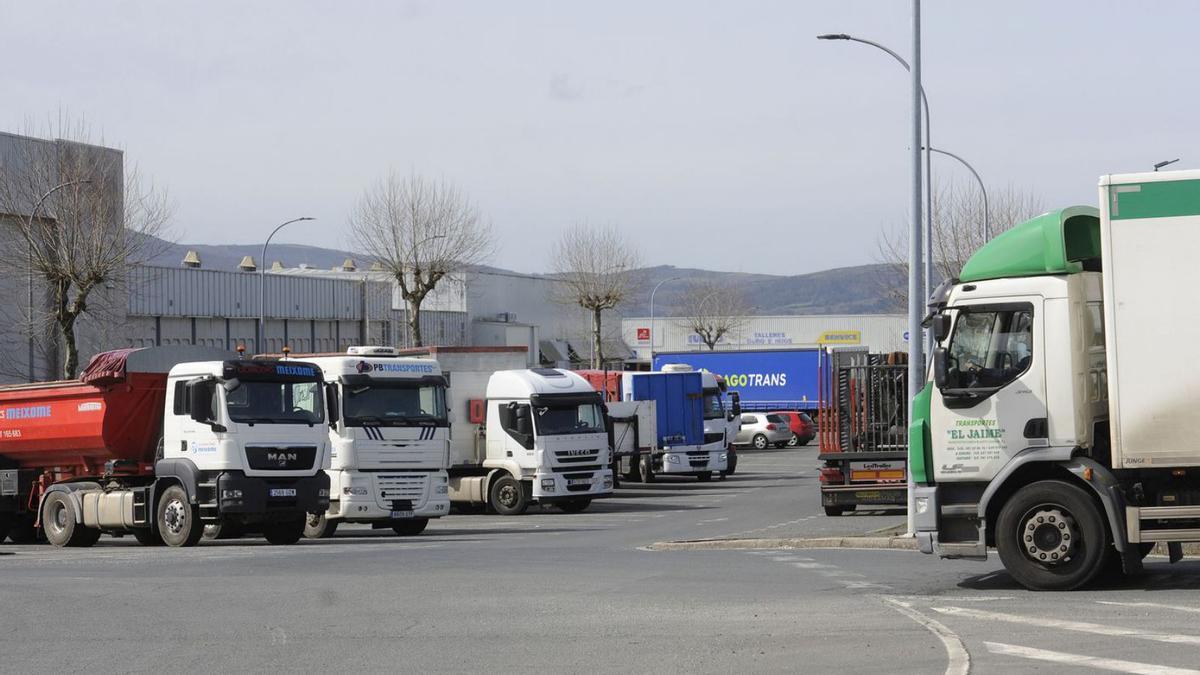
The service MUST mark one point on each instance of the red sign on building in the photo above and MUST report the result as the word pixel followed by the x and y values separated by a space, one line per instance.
pixel 643 334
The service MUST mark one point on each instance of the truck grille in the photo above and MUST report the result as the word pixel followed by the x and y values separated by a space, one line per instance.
pixel 393 486
pixel 698 460
pixel 566 456
pixel 289 458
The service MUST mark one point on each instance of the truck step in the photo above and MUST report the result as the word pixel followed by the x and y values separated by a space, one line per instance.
pixel 969 550
pixel 960 510
pixel 1142 523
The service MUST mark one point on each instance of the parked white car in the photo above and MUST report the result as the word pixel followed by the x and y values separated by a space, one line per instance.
pixel 761 431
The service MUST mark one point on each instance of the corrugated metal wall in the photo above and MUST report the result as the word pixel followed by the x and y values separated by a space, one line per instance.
pixel 167 291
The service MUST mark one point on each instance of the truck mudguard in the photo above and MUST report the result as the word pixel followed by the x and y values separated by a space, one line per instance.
pixel 182 469
pixel 72 490
pixel 1108 490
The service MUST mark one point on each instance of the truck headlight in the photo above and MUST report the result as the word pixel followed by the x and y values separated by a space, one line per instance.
pixel 548 484
pixel 322 492
pixel 231 494
pixel 441 489
pixel 922 504
pixel 357 491
pixel 724 457
pixel 608 482
pixel 672 459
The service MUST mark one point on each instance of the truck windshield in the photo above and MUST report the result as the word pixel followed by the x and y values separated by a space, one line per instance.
pixel 714 407
pixel 586 418
pixel 276 403
pixel 398 404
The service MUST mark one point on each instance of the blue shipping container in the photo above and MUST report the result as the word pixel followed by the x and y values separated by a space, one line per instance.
pixel 678 401
pixel 766 379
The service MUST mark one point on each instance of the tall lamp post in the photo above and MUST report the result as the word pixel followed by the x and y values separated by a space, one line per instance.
pixel 653 327
pixel 987 220
pixel 29 250
pixel 915 303
pixel 262 285
pixel 928 281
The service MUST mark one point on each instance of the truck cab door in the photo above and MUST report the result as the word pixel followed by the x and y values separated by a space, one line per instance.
pixel 989 399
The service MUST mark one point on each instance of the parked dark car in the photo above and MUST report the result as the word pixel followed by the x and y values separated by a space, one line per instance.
pixel 802 426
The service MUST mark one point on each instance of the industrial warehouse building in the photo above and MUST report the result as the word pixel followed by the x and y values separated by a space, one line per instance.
pixel 878 332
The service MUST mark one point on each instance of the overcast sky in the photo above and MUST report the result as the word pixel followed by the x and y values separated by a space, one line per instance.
pixel 716 134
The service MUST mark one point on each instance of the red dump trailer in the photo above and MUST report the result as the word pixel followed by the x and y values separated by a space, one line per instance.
pixel 106 423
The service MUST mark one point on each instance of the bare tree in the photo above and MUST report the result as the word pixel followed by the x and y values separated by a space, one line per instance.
pixel 712 309
pixel 597 270
pixel 94 220
pixel 420 231
pixel 958 232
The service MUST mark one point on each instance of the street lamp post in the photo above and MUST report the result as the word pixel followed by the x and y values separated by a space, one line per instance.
pixel 927 284
pixel 29 251
pixel 653 327
pixel 987 221
pixel 262 285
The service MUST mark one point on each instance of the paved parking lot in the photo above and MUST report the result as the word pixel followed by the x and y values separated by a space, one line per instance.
pixel 582 593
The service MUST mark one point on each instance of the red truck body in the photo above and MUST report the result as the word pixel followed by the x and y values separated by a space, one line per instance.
pixel 607 382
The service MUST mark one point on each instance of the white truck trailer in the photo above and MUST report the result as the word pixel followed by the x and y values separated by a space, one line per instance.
pixel 1056 427
pixel 389 444
pixel 522 435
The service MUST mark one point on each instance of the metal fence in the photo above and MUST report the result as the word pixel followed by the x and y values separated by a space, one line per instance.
pixel 864 402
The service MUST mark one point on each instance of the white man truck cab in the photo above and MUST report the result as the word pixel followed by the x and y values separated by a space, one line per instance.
pixel 541 436
pixel 389 442
pixel 1054 427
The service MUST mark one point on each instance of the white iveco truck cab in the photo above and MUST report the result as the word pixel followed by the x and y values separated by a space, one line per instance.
pixel 1057 427
pixel 389 441
pixel 539 435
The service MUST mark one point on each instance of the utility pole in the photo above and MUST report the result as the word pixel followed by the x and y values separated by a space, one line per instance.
pixel 916 360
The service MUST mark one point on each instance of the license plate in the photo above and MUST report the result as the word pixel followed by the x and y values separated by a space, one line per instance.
pixel 579 481
pixel 402 514
pixel 283 492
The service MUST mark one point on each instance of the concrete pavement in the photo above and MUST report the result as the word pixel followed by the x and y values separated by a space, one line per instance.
pixel 580 593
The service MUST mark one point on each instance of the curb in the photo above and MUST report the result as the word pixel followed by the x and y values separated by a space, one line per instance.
pixel 874 543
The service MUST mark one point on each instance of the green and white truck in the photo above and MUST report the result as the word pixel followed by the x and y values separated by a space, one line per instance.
pixel 1058 425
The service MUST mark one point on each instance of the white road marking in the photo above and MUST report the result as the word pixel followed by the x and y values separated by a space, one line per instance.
pixel 712 520
pixel 1154 605
pixel 958 661
pixel 813 565
pixel 1084 660
pixel 1077 626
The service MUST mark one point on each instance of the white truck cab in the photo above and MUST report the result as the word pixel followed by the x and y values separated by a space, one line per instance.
pixel 390 441
pixel 543 438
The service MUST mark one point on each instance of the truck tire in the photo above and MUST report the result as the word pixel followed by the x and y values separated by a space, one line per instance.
pixel 409 528
pixel 1051 536
pixel 317 526
pixel 577 505
pixel 224 529
pixel 285 532
pixel 506 496
pixel 58 521
pixel 646 469
pixel 147 537
pixel 634 475
pixel 178 519
pixel 6 520
pixel 704 476
pixel 834 511
pixel 760 442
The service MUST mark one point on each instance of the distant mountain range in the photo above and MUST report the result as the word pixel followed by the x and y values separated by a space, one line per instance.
pixel 864 289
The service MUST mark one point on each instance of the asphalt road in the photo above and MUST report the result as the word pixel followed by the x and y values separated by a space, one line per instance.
pixel 581 593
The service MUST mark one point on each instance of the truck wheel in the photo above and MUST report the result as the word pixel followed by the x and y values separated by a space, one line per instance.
pixel 284 533
pixel 507 496
pixel 634 475
pixel 147 537
pixel 411 527
pixel 58 521
pixel 760 442
pixel 317 526
pixel 646 469
pixel 224 529
pixel 1051 537
pixel 834 511
pixel 704 476
pixel 577 505
pixel 6 520
pixel 178 520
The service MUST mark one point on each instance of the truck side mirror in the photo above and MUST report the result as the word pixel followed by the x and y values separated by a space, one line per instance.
pixel 524 423
pixel 735 410
pixel 200 401
pixel 941 327
pixel 941 369
pixel 331 404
